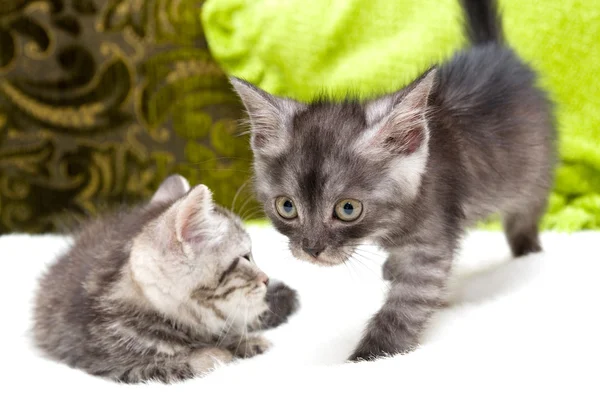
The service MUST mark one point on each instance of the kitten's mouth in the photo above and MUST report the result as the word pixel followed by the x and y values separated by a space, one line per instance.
pixel 326 258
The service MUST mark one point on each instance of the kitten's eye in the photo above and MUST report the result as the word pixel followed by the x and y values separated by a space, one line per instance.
pixel 285 207
pixel 348 210
pixel 247 256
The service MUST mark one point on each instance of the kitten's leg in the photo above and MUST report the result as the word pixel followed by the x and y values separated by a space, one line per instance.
pixel 282 301
pixel 202 361
pixel 169 369
pixel 250 346
pixel 521 229
pixel 419 274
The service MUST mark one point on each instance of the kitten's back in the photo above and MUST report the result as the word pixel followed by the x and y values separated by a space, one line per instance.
pixel 68 292
pixel 488 99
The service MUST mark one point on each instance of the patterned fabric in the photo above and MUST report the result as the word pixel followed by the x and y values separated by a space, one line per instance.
pixel 101 99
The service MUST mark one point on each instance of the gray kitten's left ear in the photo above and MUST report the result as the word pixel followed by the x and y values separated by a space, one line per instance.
pixel 400 119
pixel 172 188
pixel 270 116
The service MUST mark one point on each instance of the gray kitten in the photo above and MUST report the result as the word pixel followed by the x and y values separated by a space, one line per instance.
pixel 411 170
pixel 163 291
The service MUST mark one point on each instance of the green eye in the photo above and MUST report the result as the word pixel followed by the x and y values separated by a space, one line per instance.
pixel 348 210
pixel 286 208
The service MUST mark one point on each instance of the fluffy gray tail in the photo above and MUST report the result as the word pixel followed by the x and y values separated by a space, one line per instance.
pixel 483 23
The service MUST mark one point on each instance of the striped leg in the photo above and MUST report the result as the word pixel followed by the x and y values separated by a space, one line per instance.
pixel 168 369
pixel 418 274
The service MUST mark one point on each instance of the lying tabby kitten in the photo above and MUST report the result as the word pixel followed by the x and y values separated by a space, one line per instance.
pixel 163 291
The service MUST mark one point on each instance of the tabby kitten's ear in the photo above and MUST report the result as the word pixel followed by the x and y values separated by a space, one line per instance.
pixel 171 189
pixel 193 216
pixel 400 120
pixel 270 117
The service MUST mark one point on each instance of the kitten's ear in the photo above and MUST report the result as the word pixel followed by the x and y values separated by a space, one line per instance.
pixel 401 119
pixel 172 188
pixel 269 116
pixel 192 215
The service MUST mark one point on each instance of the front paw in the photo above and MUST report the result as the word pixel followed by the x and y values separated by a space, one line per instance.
pixel 369 350
pixel 383 339
pixel 251 346
pixel 203 360
pixel 282 301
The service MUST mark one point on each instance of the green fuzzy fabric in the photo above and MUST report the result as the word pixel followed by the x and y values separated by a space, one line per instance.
pixel 301 48
pixel 100 100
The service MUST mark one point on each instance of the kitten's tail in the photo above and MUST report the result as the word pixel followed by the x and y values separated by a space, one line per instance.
pixel 483 23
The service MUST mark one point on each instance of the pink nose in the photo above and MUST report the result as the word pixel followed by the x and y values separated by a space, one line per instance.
pixel 263 278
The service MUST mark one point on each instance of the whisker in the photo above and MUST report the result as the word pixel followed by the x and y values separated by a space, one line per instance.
pixel 351 271
pixel 346 262
pixel 244 334
pixel 251 210
pixel 383 289
pixel 253 215
pixel 223 336
pixel 361 256
pixel 250 198
pixel 228 169
pixel 367 253
pixel 237 193
pixel 363 245
pixel 217 159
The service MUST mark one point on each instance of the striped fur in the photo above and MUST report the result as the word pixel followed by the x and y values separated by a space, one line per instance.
pixel 164 291
pixel 470 138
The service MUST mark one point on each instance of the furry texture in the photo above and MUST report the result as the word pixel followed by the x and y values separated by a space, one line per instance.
pixel 471 138
pixel 299 48
pixel 513 327
pixel 163 291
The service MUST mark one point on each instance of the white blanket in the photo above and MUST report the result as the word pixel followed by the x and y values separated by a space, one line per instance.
pixel 516 327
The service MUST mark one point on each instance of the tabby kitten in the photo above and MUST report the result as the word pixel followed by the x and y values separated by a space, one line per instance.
pixel 164 291
pixel 469 138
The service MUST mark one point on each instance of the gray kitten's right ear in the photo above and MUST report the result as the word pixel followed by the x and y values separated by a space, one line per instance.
pixel 270 116
pixel 172 188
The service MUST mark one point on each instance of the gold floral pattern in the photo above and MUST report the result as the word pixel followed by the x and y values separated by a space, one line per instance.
pixel 100 100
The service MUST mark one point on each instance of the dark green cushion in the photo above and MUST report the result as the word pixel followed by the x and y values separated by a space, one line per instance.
pixel 101 100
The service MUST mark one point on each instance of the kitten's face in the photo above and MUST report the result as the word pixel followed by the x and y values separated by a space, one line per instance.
pixel 320 192
pixel 333 175
pixel 195 261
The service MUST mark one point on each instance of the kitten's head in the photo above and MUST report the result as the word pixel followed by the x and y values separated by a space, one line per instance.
pixel 334 174
pixel 194 261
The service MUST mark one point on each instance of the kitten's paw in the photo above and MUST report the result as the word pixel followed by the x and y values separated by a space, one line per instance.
pixel 251 346
pixel 378 344
pixel 282 301
pixel 204 360
pixel 366 352
pixel 523 245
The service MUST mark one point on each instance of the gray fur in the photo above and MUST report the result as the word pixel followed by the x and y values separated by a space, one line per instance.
pixel 470 138
pixel 163 291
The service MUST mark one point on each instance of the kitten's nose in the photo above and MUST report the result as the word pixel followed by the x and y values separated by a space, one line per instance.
pixel 314 251
pixel 263 278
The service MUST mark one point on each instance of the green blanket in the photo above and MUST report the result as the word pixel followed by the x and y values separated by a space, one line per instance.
pixel 300 48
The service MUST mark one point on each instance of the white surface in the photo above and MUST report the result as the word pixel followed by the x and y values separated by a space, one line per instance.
pixel 517 327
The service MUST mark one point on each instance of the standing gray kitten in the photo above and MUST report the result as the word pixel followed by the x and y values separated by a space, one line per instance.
pixel 163 291
pixel 410 171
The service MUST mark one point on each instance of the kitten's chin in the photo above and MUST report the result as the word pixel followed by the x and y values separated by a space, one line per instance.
pixel 325 259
